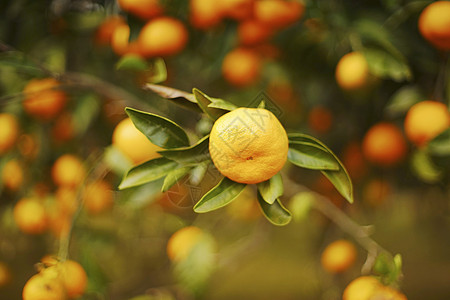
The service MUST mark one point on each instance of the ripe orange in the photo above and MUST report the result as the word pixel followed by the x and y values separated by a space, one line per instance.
pixel 5 274
pixel 338 256
pixel 163 36
pixel 352 72
pixel 71 274
pixel 30 216
pixel 12 175
pixel 278 13
pixel 237 9
pixel 133 143
pixel 63 129
pixel 43 100
pixel 361 288
pixel 251 32
pixel 144 9
pixel 204 14
pixel 104 32
pixel 98 197
pixel 434 24
pixel 384 144
pixel 120 39
pixel 248 145
pixel 425 120
pixel 354 161
pixel 68 170
pixel 182 242
pixel 241 67
pixel 40 287
pixel 9 131
pixel 320 119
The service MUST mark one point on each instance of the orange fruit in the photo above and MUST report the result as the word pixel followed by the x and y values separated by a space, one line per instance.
pixel 5 274
pixel 71 274
pixel 434 24
pixel 9 131
pixel 204 14
pixel 98 197
pixel 425 120
pixel 354 161
pixel 241 67
pixel 352 72
pixel 63 129
pixel 162 36
pixel 182 242
pixel 320 119
pixel 68 170
pixel 120 39
pixel 278 13
pixel 251 32
pixel 361 288
pixel 104 32
pixel 12 175
pixel 248 145
pixel 43 100
pixel 40 287
pixel 384 144
pixel 237 9
pixel 144 9
pixel 338 256
pixel 133 143
pixel 30 216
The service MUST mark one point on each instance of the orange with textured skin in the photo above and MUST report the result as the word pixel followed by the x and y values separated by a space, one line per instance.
pixel 434 24
pixel 425 120
pixel 9 131
pixel 68 170
pixel 163 36
pixel 241 67
pixel 30 216
pixel 43 100
pixel 144 9
pixel 338 256
pixel 352 72
pixel 70 273
pixel 384 144
pixel 180 244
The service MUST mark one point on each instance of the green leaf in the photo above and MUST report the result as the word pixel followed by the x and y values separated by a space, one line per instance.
pixel 132 62
pixel 440 145
pixel 198 172
pixel 339 178
pixel 384 65
pixel 300 205
pixel 424 168
pixel 147 172
pixel 182 98
pixel 159 130
pixel 276 213
pixel 219 196
pixel 389 268
pixel 158 71
pixel 20 62
pixel 86 110
pixel 118 162
pixel 271 189
pixel 204 101
pixel 189 155
pixel 311 156
pixel 221 104
pixel 403 99
pixel 173 177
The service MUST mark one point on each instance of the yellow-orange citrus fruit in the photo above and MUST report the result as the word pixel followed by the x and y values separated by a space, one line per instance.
pixel 182 242
pixel 248 145
pixel 63 129
pixel 251 32
pixel 30 216
pixel 9 131
pixel 320 119
pixel 425 120
pixel 352 72
pixel 434 24
pixel 388 293
pixel 144 9
pixel 12 175
pixel 338 256
pixel 98 197
pixel 5 274
pixel 237 9
pixel 384 144
pixel 68 170
pixel 72 276
pixel 278 13
pixel 43 100
pixel 104 32
pixel 241 67
pixel 133 143
pixel 361 288
pixel 163 36
pixel 376 191
pixel 120 39
pixel 204 14
pixel 40 287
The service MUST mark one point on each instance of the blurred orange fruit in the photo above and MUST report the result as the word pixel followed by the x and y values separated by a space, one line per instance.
pixel 43 100
pixel 104 32
pixel 30 216
pixel 376 191
pixel 425 120
pixel 241 67
pixel 182 242
pixel 9 131
pixel 384 144
pixel 120 38
pixel 5 274
pixel 40 287
pixel 63 129
pixel 278 13
pixel 354 161
pixel 133 143
pixel 339 256
pixel 144 9
pixel 369 288
pixel 204 14
pixel 320 119
pixel 68 170
pixel 162 36
pixel 12 175
pixel 98 196
pixel 352 72
pixel 237 9
pixel 434 24
pixel 28 146
pixel 251 32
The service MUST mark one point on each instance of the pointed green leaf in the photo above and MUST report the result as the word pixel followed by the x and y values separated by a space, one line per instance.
pixel 311 156
pixel 204 101
pixel 198 172
pixel 271 189
pixel 440 145
pixel 276 213
pixel 182 98
pixel 173 176
pixel 189 155
pixel 132 62
pixel 262 104
pixel 339 178
pixel 424 168
pixel 158 71
pixel 159 130
pixel 403 99
pixel 221 104
pixel 384 65
pixel 147 172
pixel 219 196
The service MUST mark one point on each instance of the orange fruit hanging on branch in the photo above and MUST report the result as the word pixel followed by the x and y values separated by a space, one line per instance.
pixel 352 72
pixel 68 170
pixel 182 242
pixel 434 24
pixel 9 131
pixel 278 14
pixel 241 67
pixel 338 256
pixel 144 9
pixel 30 216
pixel 204 14
pixel 248 145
